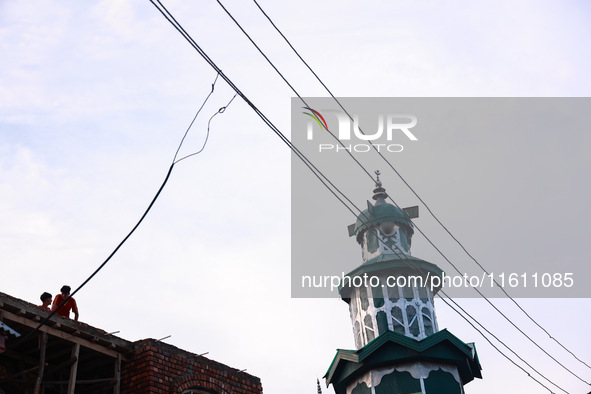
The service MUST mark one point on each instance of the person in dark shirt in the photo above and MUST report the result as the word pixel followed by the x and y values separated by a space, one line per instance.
pixel 45 301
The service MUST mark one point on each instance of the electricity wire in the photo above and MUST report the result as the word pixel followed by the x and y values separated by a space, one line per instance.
pixel 416 194
pixel 411 263
pixel 493 335
pixel 323 179
pixel 401 255
pixel 418 229
pixel 220 111
pixel 194 118
pixel 100 267
pixel 392 167
pixel 285 79
pixel 162 9
pixel 504 355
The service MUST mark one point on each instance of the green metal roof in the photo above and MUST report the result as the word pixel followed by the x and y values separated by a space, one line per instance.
pixel 380 213
pixel 392 348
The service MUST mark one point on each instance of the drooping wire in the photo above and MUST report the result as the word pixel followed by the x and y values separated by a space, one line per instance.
pixel 100 267
pixel 53 312
pixel 416 194
pixel 194 118
pixel 321 177
pixel 219 111
pixel 162 9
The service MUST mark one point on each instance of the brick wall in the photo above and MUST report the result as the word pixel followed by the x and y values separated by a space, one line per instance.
pixel 158 368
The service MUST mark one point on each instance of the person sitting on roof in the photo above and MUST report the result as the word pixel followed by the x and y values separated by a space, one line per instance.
pixel 70 305
pixel 45 301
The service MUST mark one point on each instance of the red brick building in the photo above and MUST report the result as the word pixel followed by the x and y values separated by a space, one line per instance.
pixel 65 356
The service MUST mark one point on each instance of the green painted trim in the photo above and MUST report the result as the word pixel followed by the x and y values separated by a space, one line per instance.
pixel 393 348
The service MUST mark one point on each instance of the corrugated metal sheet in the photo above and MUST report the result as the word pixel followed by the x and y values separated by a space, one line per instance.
pixel 8 331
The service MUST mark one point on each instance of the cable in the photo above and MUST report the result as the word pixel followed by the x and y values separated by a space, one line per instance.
pixel 498 350
pixel 162 9
pixel 415 193
pixel 284 79
pixel 408 185
pixel 401 255
pixel 53 312
pixel 323 179
pixel 195 117
pixel 495 337
pixel 495 307
pixel 418 228
pixel 220 111
pixel 411 263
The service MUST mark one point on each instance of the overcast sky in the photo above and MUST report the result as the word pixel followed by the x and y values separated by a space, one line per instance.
pixel 95 97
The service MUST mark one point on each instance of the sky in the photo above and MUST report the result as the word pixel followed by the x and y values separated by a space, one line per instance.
pixel 95 97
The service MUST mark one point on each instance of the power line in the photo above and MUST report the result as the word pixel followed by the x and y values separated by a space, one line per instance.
pixel 418 228
pixel 220 111
pixel 285 79
pixel 398 252
pixel 302 157
pixel 402 178
pixel 495 337
pixel 498 350
pixel 323 179
pixel 100 267
pixel 194 118
pixel 411 263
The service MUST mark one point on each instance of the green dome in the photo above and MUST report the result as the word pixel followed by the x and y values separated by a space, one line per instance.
pixel 381 213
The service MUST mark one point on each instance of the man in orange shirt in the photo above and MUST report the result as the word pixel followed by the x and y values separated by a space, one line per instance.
pixel 70 305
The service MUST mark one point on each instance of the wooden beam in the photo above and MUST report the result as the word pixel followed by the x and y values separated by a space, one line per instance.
pixel 55 368
pixel 21 373
pixel 74 369
pixel 18 356
pixel 79 382
pixel 117 387
pixel 41 363
pixel 63 335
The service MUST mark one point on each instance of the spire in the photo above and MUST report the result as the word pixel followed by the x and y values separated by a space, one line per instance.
pixel 318 385
pixel 379 192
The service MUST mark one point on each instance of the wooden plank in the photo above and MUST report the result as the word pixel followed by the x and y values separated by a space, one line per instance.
pixel 79 382
pixel 117 387
pixel 63 335
pixel 41 363
pixel 74 369
pixel 19 356
pixel 21 373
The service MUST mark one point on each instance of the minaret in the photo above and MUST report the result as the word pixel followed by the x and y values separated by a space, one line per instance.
pixel 390 295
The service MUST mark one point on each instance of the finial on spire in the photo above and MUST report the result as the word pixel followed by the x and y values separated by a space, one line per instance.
pixel 318 385
pixel 378 182
pixel 379 192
